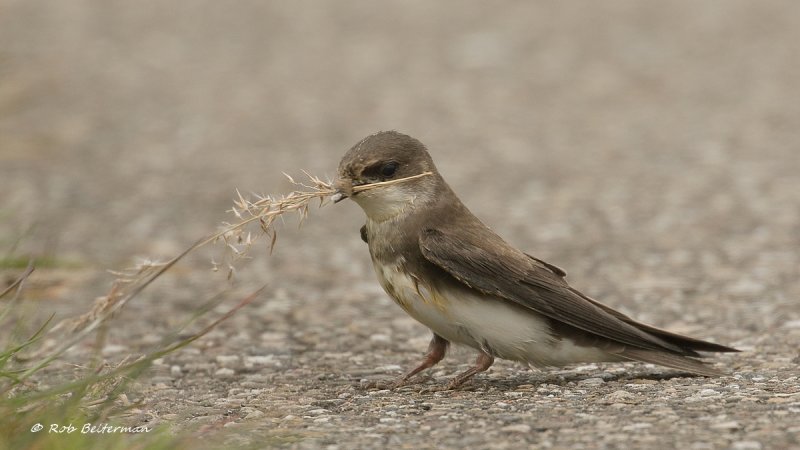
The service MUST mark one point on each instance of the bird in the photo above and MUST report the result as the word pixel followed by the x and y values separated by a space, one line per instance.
pixel 449 271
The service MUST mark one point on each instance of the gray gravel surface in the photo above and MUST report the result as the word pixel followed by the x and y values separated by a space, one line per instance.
pixel 650 148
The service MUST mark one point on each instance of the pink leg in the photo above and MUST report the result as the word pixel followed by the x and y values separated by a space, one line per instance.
pixel 436 351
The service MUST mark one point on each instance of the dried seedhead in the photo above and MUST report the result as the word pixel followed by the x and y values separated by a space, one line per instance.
pixel 238 238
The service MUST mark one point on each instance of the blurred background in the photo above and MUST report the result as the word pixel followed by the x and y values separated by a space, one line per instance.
pixel 611 138
pixel 650 148
pixel 125 126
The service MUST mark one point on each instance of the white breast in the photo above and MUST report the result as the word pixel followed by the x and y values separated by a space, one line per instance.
pixel 463 316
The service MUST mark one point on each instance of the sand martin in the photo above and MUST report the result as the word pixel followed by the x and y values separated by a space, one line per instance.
pixel 454 275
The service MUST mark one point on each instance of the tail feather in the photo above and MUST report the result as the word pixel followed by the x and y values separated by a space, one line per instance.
pixel 669 360
pixel 688 344
pixel 691 345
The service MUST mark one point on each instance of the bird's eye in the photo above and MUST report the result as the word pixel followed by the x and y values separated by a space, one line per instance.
pixel 388 169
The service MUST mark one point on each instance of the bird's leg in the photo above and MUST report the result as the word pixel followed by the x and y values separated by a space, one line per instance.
pixel 436 351
pixel 482 364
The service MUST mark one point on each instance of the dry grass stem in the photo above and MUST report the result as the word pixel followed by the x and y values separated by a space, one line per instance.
pixel 365 187
pixel 238 239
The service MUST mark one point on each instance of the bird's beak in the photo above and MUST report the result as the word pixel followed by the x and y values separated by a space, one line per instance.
pixel 344 189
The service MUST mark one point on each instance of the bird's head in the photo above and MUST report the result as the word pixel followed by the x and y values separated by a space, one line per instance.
pixel 387 156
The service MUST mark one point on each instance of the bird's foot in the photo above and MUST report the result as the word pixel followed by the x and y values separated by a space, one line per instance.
pixel 483 363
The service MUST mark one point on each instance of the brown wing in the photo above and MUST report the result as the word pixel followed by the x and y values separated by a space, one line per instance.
pixel 488 264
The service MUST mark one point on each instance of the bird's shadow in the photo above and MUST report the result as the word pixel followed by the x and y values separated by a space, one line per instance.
pixel 512 383
pixel 563 379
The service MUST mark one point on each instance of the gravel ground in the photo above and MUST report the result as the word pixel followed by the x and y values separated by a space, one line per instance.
pixel 650 148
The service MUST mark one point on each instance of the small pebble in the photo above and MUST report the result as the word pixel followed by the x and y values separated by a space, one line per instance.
pixel 620 396
pixel 519 428
pixel 227 360
pixel 746 445
pixel 380 338
pixel 591 382
pixel 224 372
pixel 263 360
pixel 728 425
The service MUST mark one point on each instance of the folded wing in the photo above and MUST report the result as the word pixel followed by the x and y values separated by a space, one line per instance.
pixel 483 261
